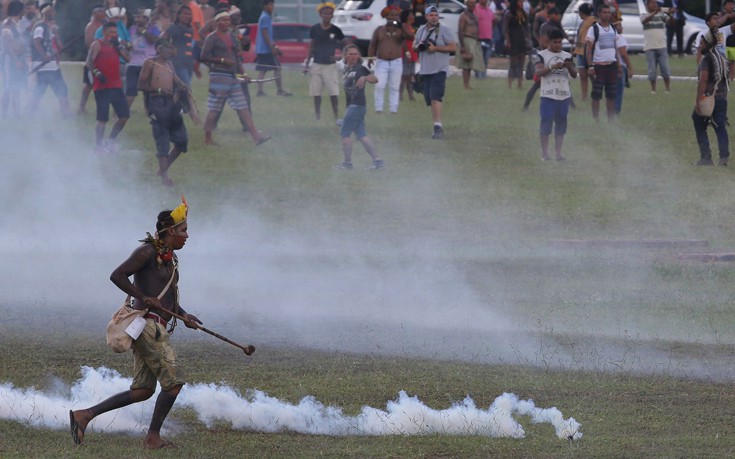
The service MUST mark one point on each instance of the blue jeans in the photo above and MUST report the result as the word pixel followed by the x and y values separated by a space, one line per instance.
pixel 719 118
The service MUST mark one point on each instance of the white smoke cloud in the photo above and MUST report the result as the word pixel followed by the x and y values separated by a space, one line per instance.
pixel 256 411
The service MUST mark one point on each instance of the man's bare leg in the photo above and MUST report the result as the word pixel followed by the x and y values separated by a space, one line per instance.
pixel 544 147
pixel 596 109
pixel 466 78
pixel 558 143
pixel 347 149
pixel 318 106
pixel 261 75
pixel 209 124
pixel 584 83
pixel 335 106
pixel 370 148
pixel 164 403
pixel 247 119
pixel 86 90
pixel 610 106
pixel 84 417
pixel 436 111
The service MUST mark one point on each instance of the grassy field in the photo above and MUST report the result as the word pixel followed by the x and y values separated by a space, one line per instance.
pixel 448 248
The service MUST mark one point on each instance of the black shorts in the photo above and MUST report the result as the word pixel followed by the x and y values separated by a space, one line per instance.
pixel 111 96
pixel 167 125
pixel 266 62
pixel 132 73
pixel 434 85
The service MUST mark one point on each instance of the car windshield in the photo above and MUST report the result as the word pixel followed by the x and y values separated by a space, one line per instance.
pixel 450 7
pixel 350 5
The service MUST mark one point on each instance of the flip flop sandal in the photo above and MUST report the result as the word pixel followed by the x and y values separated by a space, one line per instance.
pixel 75 429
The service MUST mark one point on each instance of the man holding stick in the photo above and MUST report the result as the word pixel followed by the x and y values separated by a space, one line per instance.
pixel 45 49
pixel 154 268
pixel 163 89
pixel 221 51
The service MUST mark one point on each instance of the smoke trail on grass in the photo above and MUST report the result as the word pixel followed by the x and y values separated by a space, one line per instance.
pixel 256 411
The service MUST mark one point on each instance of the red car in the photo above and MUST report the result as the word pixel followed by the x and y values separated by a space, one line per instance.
pixel 291 38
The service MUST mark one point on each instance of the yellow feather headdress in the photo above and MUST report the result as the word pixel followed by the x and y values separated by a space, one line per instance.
pixel 179 214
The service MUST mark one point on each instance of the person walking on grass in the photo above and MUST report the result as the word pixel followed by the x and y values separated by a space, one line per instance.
pixel 326 39
pixel 355 77
pixel 554 69
pixel 162 88
pixel 266 50
pixel 713 73
pixel 45 46
pixel 434 44
pixel 654 43
pixel 154 267
pixel 103 60
pixel 222 52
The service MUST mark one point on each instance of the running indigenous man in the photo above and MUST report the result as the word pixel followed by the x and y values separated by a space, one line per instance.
pixel 152 265
pixel 221 50
pixel 162 87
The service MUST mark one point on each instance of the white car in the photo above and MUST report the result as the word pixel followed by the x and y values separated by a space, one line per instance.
pixel 632 26
pixel 358 19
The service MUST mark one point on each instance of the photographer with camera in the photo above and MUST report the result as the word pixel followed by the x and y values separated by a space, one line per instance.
pixel 103 60
pixel 387 45
pixel 434 43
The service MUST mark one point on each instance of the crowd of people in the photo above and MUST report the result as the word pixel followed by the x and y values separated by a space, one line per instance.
pixel 163 48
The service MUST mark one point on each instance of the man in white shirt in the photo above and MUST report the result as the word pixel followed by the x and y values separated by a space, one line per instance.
pixel 602 62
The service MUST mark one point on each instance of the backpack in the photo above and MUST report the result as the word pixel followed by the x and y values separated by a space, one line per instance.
pixel 596 31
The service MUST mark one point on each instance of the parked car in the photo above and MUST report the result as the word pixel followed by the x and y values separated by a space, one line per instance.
pixel 291 38
pixel 358 19
pixel 632 27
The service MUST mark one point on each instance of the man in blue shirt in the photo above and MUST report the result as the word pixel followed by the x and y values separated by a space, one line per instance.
pixel 266 50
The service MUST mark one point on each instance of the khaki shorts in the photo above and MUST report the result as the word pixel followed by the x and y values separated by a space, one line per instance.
pixel 323 76
pixel 474 48
pixel 154 359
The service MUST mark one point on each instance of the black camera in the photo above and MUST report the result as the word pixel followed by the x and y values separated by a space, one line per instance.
pixel 424 45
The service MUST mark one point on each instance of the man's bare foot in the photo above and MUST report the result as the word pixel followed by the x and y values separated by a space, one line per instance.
pixel 167 181
pixel 210 142
pixel 154 441
pixel 78 421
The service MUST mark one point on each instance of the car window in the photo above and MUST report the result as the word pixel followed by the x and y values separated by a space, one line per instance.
pixel 349 5
pixel 450 7
pixel 290 33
